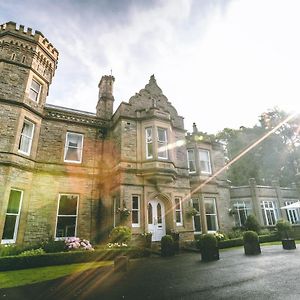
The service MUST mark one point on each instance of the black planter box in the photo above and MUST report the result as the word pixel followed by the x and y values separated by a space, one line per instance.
pixel 252 248
pixel 288 244
pixel 175 236
pixel 210 254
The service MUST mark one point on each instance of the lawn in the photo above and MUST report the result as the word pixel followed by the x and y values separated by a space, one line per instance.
pixel 23 277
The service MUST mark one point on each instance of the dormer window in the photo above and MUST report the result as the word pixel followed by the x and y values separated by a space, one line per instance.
pixel 205 163
pixel 35 90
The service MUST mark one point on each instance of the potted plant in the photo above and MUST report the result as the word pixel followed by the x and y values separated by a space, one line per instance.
pixel 209 247
pixel 251 243
pixel 284 227
pixel 146 239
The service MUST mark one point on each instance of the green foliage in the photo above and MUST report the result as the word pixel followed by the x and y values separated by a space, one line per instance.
pixel 234 234
pixel 12 249
pixel 208 241
pixel 261 163
pixel 283 227
pixel 167 246
pixel 250 237
pixel 231 243
pixel 64 258
pixel 52 246
pixel 32 252
pixel 120 234
pixel 252 224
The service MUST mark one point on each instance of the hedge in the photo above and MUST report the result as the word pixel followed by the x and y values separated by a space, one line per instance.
pixel 64 258
pixel 239 241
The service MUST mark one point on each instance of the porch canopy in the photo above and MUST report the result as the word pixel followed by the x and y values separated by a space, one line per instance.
pixel 292 206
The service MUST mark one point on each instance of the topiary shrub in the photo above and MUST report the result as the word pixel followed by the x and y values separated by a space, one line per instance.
pixel 167 246
pixel 283 227
pixel 252 224
pixel 52 246
pixel 209 247
pixel 251 243
pixel 120 234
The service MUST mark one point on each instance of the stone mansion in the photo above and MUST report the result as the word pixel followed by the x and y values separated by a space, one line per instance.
pixel 65 172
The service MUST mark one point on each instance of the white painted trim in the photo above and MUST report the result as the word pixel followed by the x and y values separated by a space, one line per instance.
pixel 57 210
pixel 12 241
pixel 66 148
pixel 209 162
pixel 138 210
pixel 29 137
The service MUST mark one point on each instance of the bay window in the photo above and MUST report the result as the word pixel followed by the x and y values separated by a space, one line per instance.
pixel 156 147
pixel 205 163
pixel 35 90
pixel 292 214
pixel 26 137
pixel 191 161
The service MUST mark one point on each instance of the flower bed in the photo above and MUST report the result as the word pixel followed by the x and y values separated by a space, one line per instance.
pixel 64 258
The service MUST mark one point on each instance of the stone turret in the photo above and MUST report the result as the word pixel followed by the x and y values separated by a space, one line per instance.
pixel 106 98
pixel 29 62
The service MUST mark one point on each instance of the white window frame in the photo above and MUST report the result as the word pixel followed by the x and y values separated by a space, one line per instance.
pixel 178 210
pixel 13 240
pixel 269 207
pixel 162 144
pixel 241 206
pixel 33 90
pixel 149 141
pixel 198 215
pixel 208 170
pixel 24 136
pixel 193 160
pixel 138 210
pixel 71 216
pixel 206 199
pixel 67 147
pixel 292 214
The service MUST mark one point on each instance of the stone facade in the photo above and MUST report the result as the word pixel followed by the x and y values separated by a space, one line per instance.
pixel 65 172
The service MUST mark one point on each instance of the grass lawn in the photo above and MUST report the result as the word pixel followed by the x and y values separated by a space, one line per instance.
pixel 23 277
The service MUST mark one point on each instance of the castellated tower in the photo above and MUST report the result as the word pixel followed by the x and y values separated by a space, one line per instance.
pixel 27 64
pixel 106 98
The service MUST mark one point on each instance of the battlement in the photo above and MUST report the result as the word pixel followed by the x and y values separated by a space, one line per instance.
pixel 28 34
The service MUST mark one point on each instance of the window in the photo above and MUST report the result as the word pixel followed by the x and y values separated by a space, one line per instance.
pixel 149 143
pixel 67 216
pixel 191 161
pixel 292 214
pixel 197 218
pixel 34 90
pixel 135 211
pixel 26 137
pixel 242 210
pixel 13 56
pixel 178 211
pixel 12 217
pixel 205 165
pixel 269 213
pixel 73 147
pixel 211 214
pixel 162 143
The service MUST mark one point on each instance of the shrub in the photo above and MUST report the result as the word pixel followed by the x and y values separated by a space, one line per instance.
pixel 74 243
pixel 52 246
pixel 235 233
pixel 51 259
pixel 120 234
pixel 208 241
pixel 252 224
pixel 250 237
pixel 231 243
pixel 283 227
pixel 167 246
pixel 33 252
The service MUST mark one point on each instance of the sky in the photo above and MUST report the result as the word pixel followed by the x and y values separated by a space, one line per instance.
pixel 221 63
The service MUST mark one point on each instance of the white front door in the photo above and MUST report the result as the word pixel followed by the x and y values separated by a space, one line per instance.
pixel 156 219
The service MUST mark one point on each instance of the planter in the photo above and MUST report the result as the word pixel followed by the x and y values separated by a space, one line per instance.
pixel 210 254
pixel 252 248
pixel 288 244
pixel 175 236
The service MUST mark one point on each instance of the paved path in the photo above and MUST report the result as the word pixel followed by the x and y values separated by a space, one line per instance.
pixel 275 274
